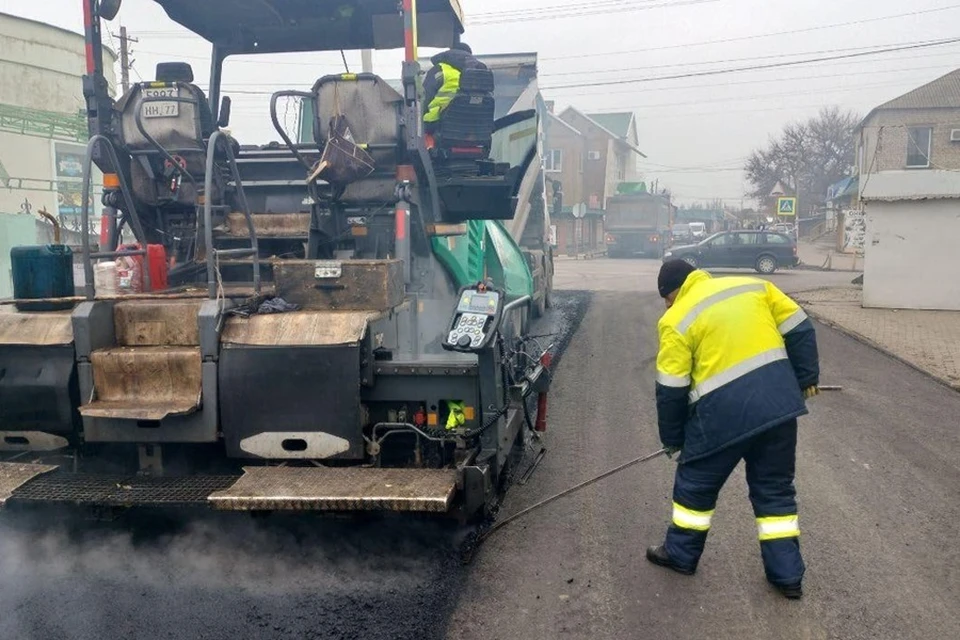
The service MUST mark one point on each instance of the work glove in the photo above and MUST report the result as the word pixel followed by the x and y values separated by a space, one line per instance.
pixel 671 451
pixel 811 391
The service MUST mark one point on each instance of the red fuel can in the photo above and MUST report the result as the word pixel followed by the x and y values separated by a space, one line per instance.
pixel 156 262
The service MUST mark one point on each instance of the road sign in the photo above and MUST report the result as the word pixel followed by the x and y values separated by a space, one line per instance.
pixel 786 206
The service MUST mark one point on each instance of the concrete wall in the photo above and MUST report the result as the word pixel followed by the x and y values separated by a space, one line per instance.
pixel 889 128
pixel 911 257
pixel 41 65
pixel 40 69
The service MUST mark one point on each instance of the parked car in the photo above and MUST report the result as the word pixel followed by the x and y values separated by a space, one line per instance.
pixel 785 228
pixel 698 230
pixel 680 233
pixel 764 251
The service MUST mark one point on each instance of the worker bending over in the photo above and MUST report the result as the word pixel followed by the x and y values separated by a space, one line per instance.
pixel 737 360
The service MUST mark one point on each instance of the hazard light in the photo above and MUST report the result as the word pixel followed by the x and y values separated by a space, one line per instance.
pixel 610 239
pixel 654 238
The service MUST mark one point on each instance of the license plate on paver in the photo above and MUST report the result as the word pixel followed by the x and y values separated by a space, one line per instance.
pixel 161 109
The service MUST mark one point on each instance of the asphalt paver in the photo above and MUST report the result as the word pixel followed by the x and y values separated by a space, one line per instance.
pixel 178 576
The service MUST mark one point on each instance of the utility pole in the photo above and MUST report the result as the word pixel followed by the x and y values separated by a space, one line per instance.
pixel 126 62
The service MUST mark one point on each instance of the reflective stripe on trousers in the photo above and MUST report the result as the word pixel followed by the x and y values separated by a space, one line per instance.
pixel 737 371
pixel 777 527
pixel 689 519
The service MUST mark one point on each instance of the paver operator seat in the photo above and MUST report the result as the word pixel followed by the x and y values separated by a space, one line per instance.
pixel 465 131
pixel 165 131
pixel 372 110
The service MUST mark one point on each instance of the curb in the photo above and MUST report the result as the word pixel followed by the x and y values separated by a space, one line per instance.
pixel 953 386
pixel 813 267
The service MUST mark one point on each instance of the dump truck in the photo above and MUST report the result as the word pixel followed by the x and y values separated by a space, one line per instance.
pixel 339 324
pixel 636 222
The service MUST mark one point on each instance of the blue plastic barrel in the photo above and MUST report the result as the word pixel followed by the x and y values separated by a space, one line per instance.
pixel 44 271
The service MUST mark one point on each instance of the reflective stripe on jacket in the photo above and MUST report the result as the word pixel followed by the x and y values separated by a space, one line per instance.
pixel 449 88
pixel 735 353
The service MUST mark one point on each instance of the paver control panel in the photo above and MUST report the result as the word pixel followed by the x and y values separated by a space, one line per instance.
pixel 475 320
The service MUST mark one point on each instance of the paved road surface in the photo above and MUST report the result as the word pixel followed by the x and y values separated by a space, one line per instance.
pixel 879 489
pixel 641 275
pixel 879 483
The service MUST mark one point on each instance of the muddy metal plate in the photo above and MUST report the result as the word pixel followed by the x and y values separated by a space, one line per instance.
pixel 121 490
pixel 339 489
pixel 13 476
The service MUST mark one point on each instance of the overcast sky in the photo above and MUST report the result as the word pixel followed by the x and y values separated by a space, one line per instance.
pixel 696 131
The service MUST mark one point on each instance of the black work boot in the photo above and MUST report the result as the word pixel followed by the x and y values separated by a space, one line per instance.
pixel 658 555
pixel 793 591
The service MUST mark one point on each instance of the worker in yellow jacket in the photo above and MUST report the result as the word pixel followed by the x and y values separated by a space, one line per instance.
pixel 442 82
pixel 737 360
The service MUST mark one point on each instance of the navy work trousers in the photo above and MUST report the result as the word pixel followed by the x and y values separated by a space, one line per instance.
pixel 770 459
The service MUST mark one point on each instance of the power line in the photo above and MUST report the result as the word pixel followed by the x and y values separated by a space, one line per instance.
pixel 552 14
pixel 774 65
pixel 841 89
pixel 673 88
pixel 884 71
pixel 560 7
pixel 234 88
pixel 760 35
pixel 748 59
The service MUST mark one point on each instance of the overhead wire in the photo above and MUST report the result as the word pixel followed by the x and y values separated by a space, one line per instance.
pixel 863 48
pixel 774 65
pixel 771 34
pixel 552 14
pixel 557 89
pixel 745 98
pixel 791 79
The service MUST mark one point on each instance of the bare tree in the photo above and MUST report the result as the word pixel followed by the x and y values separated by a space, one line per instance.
pixel 807 157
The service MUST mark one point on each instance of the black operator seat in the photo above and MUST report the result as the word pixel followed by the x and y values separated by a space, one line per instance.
pixel 182 72
pixel 372 110
pixel 153 130
pixel 466 126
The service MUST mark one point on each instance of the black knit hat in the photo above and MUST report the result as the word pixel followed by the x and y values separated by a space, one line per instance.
pixel 463 46
pixel 673 274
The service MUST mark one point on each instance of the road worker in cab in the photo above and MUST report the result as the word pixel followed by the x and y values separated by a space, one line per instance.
pixel 737 361
pixel 442 82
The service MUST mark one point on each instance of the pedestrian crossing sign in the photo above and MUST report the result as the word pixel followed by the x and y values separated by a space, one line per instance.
pixel 787 206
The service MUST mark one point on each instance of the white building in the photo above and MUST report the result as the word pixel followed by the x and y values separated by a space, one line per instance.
pixel 43 131
pixel 909 159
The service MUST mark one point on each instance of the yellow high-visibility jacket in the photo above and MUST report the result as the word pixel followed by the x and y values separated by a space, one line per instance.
pixel 735 354
pixel 447 78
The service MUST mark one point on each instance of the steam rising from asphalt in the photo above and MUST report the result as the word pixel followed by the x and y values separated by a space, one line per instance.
pixel 227 575
pixel 214 551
